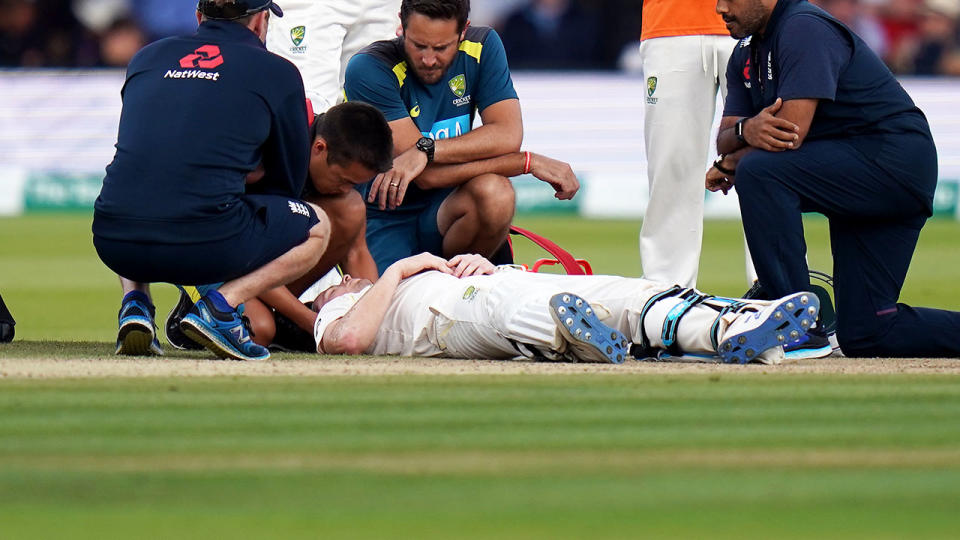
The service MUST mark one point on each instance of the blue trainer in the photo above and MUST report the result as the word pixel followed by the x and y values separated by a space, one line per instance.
pixel 223 333
pixel 783 321
pixel 589 339
pixel 137 335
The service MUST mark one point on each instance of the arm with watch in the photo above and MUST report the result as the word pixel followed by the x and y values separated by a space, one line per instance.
pixel 492 148
pixel 781 126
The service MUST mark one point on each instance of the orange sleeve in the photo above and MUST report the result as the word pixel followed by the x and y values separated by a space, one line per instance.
pixel 665 18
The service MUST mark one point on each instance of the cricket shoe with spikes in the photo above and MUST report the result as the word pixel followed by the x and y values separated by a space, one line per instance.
pixel 588 339
pixel 782 322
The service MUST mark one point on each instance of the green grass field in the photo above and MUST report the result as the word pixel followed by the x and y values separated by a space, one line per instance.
pixel 58 289
pixel 733 453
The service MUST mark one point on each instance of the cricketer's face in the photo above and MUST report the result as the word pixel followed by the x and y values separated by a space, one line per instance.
pixel 349 284
pixel 430 45
pixel 333 178
pixel 745 17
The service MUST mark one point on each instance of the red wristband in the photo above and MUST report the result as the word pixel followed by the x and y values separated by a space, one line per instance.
pixel 526 164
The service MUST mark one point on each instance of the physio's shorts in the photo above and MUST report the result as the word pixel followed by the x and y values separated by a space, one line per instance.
pixel 274 225
pixel 405 231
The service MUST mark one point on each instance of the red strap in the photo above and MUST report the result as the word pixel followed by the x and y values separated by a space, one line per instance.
pixel 310 115
pixel 569 263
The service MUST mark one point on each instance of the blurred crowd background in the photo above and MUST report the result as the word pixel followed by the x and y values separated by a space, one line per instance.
pixel 915 37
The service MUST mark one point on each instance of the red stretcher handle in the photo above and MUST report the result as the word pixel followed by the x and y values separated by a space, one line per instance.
pixel 573 267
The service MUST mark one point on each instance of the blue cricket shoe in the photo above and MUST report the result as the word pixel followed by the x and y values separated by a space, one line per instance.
pixel 782 322
pixel 137 335
pixel 589 339
pixel 223 333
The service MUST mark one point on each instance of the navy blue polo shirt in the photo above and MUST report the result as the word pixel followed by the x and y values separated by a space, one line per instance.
pixel 805 53
pixel 199 113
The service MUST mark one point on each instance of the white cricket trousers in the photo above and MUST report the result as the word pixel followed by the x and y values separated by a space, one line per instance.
pixel 678 117
pixel 515 308
pixel 333 31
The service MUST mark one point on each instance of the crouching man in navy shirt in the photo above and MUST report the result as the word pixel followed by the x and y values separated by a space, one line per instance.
pixel 200 113
pixel 815 122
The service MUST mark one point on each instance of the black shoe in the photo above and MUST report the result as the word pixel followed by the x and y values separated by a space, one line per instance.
pixel 6 332
pixel 755 292
pixel 175 335
pixel 6 323
pixel 290 337
pixel 813 344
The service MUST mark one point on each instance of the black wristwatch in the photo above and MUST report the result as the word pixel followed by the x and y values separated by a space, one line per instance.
pixel 427 146
pixel 738 129
pixel 718 165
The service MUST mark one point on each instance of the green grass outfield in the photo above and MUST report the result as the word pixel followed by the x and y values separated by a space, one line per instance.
pixel 58 289
pixel 731 453
pixel 724 456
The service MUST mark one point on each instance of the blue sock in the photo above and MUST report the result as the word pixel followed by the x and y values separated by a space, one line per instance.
pixel 204 289
pixel 138 296
pixel 219 302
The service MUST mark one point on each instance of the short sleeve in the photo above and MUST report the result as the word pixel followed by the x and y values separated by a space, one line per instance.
pixel 333 310
pixel 371 81
pixel 810 57
pixel 494 84
pixel 738 101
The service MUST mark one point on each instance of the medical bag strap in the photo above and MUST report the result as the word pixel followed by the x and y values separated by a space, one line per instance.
pixel 569 264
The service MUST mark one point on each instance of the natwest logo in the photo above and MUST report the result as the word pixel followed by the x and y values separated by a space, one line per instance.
pixel 206 57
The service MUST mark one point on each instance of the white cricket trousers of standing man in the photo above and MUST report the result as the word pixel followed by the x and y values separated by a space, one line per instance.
pixel 333 31
pixel 678 118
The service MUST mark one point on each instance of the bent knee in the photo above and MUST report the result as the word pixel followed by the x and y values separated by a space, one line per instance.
pixel 322 227
pixel 756 164
pixel 347 213
pixel 863 335
pixel 493 195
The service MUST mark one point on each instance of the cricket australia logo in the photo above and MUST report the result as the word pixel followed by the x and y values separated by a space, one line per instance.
pixel 297 35
pixel 458 85
pixel 298 208
pixel 651 89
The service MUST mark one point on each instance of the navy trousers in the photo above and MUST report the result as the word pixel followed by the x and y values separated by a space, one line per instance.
pixel 877 195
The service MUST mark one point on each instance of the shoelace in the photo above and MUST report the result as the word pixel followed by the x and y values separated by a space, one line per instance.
pixel 245 321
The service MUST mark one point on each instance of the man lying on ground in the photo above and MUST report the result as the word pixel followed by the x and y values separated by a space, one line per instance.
pixel 468 308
